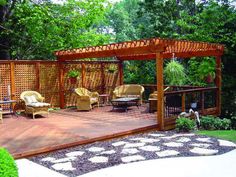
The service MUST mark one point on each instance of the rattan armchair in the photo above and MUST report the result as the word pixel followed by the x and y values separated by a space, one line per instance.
pixel 86 99
pixel 34 103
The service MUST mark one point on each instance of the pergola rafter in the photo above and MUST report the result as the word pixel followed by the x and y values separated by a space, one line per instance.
pixel 145 49
pixel 150 49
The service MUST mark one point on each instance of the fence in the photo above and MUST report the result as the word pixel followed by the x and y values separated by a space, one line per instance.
pixel 44 77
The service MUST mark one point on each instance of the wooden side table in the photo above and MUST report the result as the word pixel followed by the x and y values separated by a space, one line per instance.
pixel 104 99
pixel 152 104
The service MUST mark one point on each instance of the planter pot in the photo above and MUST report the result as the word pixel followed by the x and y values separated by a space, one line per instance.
pixel 209 79
pixel 73 80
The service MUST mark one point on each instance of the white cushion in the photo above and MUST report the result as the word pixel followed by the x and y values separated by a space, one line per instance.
pixel 28 99
pixel 33 99
pixel 38 104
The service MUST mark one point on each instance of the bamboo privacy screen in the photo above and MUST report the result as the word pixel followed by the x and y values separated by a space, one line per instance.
pixel 43 76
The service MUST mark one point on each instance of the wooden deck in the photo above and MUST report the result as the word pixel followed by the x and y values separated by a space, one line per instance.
pixel 23 136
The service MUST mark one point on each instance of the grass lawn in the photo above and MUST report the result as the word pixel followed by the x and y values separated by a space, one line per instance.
pixel 222 134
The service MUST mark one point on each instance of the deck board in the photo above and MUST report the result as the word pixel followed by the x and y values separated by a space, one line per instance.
pixel 23 136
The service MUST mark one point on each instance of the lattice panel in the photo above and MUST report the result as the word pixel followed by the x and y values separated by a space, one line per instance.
pixel 70 98
pixel 49 83
pixel 93 77
pixel 25 78
pixel 5 82
pixel 111 77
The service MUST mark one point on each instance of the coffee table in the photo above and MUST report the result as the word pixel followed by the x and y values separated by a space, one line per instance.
pixel 124 103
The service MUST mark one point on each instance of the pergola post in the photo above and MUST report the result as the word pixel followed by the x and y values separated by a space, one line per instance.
pixel 83 74
pixel 121 72
pixel 61 85
pixel 218 80
pixel 160 90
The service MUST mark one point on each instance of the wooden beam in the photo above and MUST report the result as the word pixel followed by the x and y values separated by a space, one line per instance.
pixel 160 91
pixel 37 72
pixel 83 74
pixel 61 85
pixel 218 82
pixel 121 73
pixel 13 86
pixel 183 102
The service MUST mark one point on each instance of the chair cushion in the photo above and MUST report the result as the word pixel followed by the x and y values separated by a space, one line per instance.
pixel 38 104
pixel 33 99
pixel 28 99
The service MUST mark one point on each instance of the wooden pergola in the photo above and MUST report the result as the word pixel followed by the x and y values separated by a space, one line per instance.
pixel 150 49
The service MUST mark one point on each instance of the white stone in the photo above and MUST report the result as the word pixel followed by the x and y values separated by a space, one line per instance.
pixel 137 139
pixel 206 140
pixel 119 143
pixel 150 148
pixel 173 144
pixel 96 149
pixel 130 151
pixel 156 134
pixel 132 158
pixel 201 145
pixel 183 140
pixel 203 151
pixel 48 159
pixel 66 159
pixel 131 145
pixel 99 159
pixel 149 140
pixel 168 137
pixel 63 166
pixel 108 152
pixel 184 134
pixel 75 153
pixel 167 153
pixel 226 143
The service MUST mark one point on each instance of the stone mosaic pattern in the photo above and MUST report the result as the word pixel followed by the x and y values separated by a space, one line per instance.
pixel 79 160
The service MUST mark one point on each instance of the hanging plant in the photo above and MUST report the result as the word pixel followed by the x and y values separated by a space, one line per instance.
pixel 111 69
pixel 73 75
pixel 174 73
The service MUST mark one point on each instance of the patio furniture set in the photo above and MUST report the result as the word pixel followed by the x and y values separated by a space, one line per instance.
pixel 123 97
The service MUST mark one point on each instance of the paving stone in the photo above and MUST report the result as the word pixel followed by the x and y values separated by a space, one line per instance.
pixel 99 159
pixel 48 159
pixel 63 166
pixel 119 143
pixel 149 140
pixel 206 140
pixel 150 148
pixel 108 152
pixel 66 159
pixel 226 143
pixel 137 139
pixel 173 144
pixel 74 153
pixel 184 134
pixel 167 153
pixel 201 145
pixel 183 140
pixel 131 145
pixel 203 151
pixel 96 149
pixel 130 151
pixel 132 158
pixel 155 135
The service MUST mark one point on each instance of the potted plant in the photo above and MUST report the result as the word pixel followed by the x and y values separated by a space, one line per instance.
pixel 111 69
pixel 73 75
pixel 174 73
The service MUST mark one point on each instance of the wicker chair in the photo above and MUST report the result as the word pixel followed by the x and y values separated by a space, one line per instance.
pixel 34 103
pixel 86 99
pixel 129 90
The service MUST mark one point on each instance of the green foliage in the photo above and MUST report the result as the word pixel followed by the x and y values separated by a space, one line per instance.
pixel 174 73
pixel 73 73
pixel 3 2
pixel 37 30
pixel 199 69
pixel 215 123
pixel 222 134
pixel 233 122
pixel 8 166
pixel 184 124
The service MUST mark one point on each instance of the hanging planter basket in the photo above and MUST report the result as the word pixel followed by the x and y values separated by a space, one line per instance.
pixel 209 79
pixel 73 80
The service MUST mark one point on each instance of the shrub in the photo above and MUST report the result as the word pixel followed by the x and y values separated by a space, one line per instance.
pixel 184 124
pixel 215 123
pixel 233 122
pixel 7 164
pixel 208 122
